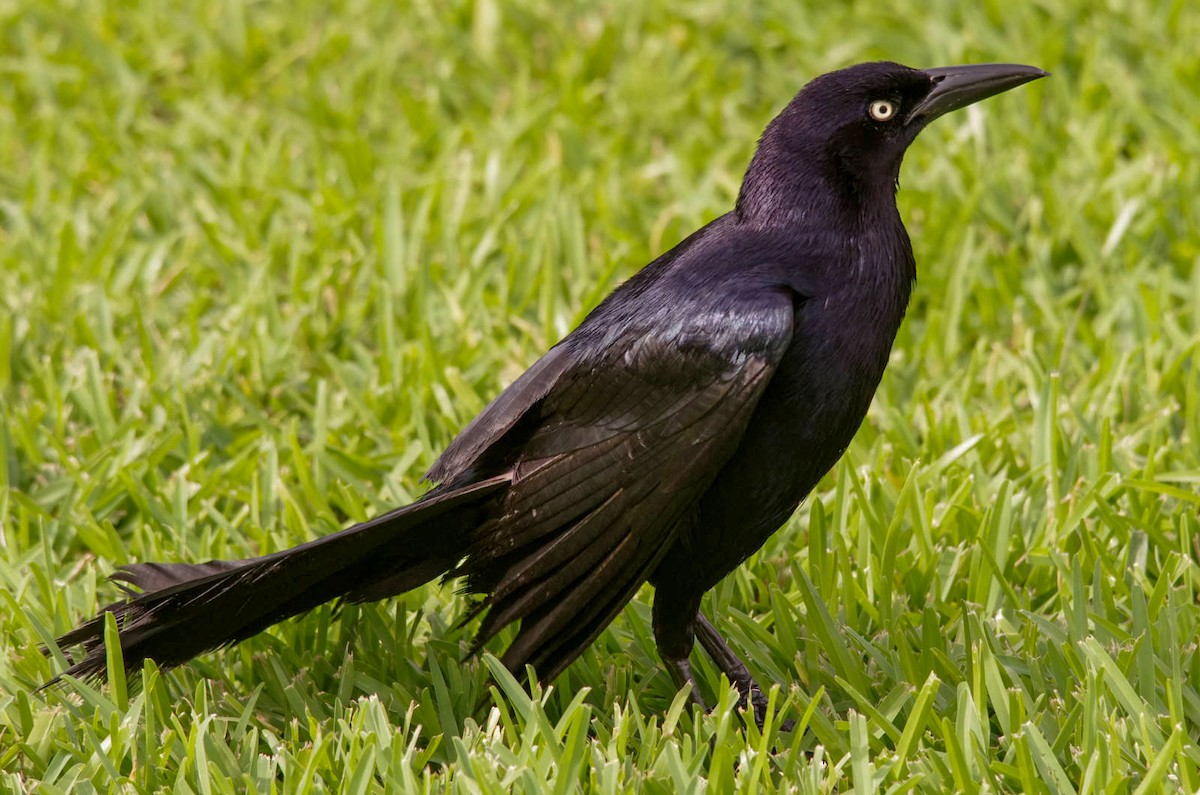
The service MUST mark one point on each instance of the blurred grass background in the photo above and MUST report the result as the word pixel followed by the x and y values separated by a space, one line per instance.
pixel 260 261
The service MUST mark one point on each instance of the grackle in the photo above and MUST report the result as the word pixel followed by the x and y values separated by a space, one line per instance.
pixel 663 440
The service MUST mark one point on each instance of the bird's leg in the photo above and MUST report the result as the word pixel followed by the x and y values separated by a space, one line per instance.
pixel 675 636
pixel 732 666
pixel 680 669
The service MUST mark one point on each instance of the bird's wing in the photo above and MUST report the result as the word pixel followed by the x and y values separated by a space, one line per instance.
pixel 614 453
pixel 499 416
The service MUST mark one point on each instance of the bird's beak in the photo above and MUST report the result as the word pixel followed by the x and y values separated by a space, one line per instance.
pixel 956 87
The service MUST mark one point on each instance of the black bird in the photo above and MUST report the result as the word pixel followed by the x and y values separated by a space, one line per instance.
pixel 663 440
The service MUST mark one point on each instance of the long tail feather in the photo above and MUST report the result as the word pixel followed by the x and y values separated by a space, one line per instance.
pixel 179 610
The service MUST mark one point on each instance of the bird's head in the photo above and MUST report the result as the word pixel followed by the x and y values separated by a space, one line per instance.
pixel 850 128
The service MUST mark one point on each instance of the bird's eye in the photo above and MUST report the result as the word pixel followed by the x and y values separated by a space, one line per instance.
pixel 882 110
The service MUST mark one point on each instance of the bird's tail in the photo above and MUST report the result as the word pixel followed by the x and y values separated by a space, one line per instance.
pixel 180 610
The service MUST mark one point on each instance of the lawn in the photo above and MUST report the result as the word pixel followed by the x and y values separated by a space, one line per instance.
pixel 259 262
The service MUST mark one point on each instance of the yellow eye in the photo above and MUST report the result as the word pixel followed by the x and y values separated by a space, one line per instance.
pixel 882 110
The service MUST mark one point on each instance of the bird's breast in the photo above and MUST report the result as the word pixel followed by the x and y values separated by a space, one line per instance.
pixel 805 419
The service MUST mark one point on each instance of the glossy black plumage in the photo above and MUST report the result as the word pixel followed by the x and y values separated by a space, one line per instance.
pixel 665 439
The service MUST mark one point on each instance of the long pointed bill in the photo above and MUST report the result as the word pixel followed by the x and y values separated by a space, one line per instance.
pixel 956 87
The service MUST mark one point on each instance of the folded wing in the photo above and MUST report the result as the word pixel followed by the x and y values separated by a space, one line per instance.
pixel 612 457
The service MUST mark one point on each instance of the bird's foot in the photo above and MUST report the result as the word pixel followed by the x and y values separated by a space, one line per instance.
pixel 753 697
pixel 750 697
pixel 736 671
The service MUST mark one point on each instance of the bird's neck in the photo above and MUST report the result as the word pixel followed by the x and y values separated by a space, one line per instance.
pixel 854 221
pixel 789 184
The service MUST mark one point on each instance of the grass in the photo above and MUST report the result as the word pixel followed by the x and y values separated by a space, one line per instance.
pixel 259 262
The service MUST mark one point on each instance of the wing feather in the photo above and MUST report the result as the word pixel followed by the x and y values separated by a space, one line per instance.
pixel 625 443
